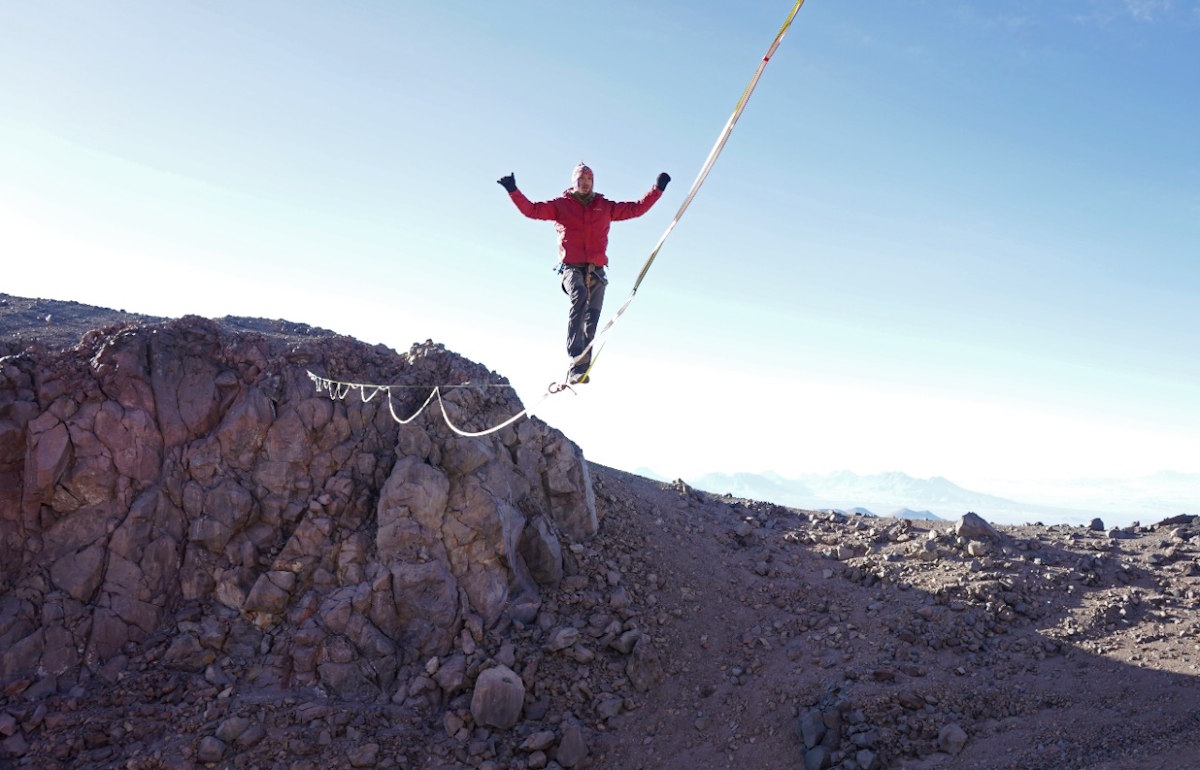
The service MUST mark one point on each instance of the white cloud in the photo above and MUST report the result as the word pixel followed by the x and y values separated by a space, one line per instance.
pixel 1105 12
pixel 1147 10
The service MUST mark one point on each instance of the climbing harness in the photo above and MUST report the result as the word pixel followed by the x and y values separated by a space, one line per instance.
pixel 338 390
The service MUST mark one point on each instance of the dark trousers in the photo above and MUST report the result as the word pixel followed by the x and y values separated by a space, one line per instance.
pixel 585 286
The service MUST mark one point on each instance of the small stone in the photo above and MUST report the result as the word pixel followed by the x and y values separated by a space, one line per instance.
pixel 610 707
pixel 451 723
pixel 978 548
pixel 211 749
pixel 817 759
pixel 866 740
pixel 952 739
pixel 627 641
pixel 811 728
pixel 562 639
pixel 364 756
pixel 539 741
pixel 252 737
pixel 14 746
pixel 229 730
pixel 451 676
pixel 644 668
pixel 572 749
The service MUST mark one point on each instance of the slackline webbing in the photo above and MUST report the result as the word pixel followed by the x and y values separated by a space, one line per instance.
pixel 708 164
pixel 338 390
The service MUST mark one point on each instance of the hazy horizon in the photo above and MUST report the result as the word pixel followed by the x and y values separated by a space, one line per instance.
pixel 1119 501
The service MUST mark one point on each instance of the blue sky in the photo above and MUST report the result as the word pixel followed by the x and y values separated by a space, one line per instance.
pixel 945 238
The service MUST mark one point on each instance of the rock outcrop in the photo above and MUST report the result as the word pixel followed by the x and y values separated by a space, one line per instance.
pixel 183 479
pixel 207 563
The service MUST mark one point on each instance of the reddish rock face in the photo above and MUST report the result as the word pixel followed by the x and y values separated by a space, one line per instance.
pixel 187 479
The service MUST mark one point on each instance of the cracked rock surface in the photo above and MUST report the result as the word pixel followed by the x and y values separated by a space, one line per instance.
pixel 208 563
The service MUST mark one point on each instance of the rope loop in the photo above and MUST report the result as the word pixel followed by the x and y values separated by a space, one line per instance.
pixel 338 391
pixel 559 387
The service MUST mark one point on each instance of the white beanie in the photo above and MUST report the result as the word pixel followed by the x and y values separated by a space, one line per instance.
pixel 579 171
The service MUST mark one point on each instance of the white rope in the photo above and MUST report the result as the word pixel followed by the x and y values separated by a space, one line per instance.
pixel 392 408
pixel 473 434
pixel 338 391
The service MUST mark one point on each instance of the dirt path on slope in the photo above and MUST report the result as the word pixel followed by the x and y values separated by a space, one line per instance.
pixel 769 616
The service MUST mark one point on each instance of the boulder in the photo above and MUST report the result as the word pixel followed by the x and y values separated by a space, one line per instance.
pixel 972 526
pixel 498 698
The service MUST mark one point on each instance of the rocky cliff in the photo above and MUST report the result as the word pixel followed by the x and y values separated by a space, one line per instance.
pixel 210 563
pixel 187 479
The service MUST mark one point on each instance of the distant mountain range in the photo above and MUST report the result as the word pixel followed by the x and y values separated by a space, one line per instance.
pixel 880 494
pixel 1116 501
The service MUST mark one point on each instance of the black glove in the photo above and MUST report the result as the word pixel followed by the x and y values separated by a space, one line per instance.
pixel 508 182
pixel 661 184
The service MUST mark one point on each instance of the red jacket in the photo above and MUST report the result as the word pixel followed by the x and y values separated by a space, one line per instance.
pixel 583 227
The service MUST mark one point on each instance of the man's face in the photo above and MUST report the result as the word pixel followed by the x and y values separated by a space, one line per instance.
pixel 583 184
